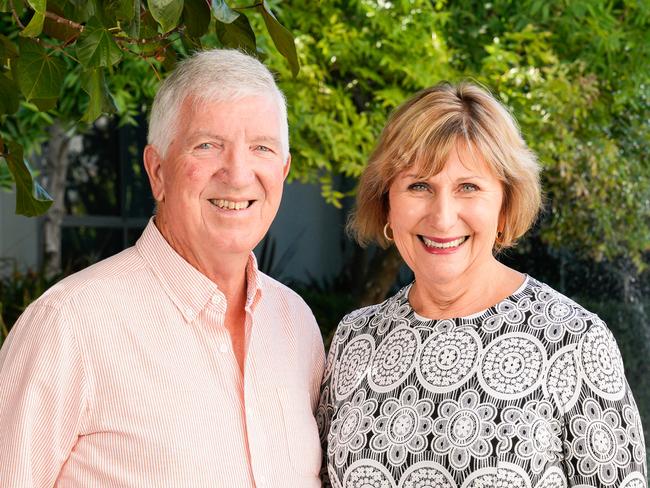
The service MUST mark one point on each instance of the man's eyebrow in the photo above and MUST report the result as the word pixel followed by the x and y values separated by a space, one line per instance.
pixel 268 139
pixel 208 134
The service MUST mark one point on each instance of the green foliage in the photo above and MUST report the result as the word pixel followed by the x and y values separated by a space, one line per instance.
pixel 86 49
pixel 574 74
pixel 359 60
pixel 38 201
pixel 17 291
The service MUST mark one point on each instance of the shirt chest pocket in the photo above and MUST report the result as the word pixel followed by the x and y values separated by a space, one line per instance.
pixel 301 431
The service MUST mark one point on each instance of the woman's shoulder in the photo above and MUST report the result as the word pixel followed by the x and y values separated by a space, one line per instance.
pixel 557 315
pixel 551 300
pixel 387 306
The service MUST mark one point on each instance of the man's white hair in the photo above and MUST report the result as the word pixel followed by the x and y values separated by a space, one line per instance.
pixel 216 75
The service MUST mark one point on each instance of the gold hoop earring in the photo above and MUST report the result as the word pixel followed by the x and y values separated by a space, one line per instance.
pixel 389 239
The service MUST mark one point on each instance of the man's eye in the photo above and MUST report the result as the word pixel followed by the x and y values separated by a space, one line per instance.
pixel 204 145
pixel 468 187
pixel 263 148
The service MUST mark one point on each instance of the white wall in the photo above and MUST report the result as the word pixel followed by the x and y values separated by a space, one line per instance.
pixel 18 236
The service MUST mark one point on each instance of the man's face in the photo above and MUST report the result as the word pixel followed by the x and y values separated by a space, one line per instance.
pixel 219 186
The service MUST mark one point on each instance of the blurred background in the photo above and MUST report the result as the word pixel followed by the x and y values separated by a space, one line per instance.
pixel 576 75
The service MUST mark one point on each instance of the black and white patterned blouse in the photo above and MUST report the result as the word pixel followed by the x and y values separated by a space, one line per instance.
pixel 530 393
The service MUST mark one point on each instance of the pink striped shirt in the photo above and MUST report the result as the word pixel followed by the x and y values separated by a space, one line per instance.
pixel 124 375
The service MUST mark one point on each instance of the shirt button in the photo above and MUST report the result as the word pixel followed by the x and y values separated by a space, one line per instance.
pixel 223 347
pixel 262 480
pixel 215 300
pixel 189 312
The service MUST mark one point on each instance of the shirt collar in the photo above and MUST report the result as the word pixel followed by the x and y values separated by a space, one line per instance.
pixel 188 288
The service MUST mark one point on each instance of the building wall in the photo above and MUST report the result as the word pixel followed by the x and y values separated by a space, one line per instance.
pixel 307 235
pixel 19 237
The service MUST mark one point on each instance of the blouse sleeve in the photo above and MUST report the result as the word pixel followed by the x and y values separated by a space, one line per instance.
pixel 326 409
pixel 603 436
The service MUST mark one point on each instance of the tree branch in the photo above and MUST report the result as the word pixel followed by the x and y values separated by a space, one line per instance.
pixel 149 40
pixel 15 15
pixel 61 20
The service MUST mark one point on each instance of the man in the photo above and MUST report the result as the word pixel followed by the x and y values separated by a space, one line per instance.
pixel 176 363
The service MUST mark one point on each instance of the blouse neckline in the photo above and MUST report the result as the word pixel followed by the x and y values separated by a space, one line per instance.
pixel 482 313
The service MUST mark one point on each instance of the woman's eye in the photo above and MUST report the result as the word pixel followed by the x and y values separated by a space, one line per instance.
pixel 468 187
pixel 418 186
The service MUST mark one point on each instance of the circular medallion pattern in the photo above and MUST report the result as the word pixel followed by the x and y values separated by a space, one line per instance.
pixel 602 363
pixel 448 359
pixel 352 365
pixel 427 474
pixel 600 443
pixel 512 365
pixel 394 359
pixel 634 480
pixel 508 475
pixel 403 425
pixel 553 477
pixel 367 473
pixel 562 377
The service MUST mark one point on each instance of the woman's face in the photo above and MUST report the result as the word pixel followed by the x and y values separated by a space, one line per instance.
pixel 445 226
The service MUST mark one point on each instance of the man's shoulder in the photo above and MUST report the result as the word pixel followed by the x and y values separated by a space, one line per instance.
pixel 279 289
pixel 104 276
pixel 284 296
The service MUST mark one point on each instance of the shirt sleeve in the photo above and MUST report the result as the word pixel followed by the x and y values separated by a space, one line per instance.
pixel 603 436
pixel 42 398
pixel 318 364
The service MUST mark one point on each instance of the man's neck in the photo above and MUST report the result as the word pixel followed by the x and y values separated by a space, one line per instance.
pixel 227 271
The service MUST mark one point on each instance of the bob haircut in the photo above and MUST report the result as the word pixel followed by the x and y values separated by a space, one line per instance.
pixel 423 131
pixel 216 75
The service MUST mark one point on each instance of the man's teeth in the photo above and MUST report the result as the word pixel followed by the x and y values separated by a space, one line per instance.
pixel 443 245
pixel 221 203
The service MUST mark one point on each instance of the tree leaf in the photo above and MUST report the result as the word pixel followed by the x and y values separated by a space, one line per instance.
pixel 31 198
pixel 44 104
pixel 132 26
pixel 223 12
pixel 282 38
pixel 39 75
pixel 101 101
pixel 8 95
pixel 35 26
pixel 238 34
pixel 8 49
pixel 127 9
pixel 96 46
pixel 196 16
pixel 166 12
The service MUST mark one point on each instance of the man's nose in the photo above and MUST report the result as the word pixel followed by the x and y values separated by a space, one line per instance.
pixel 235 168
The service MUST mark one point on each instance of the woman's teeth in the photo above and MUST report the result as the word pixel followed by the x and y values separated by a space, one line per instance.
pixel 229 204
pixel 444 245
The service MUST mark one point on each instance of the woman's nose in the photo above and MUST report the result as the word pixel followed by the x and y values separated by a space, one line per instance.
pixel 443 212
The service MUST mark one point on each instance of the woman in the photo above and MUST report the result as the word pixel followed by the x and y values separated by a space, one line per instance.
pixel 474 375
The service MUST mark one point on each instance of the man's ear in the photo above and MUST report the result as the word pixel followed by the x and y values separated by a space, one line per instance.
pixel 153 167
pixel 287 166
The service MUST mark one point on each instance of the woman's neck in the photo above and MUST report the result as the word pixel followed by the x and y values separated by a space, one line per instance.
pixel 467 296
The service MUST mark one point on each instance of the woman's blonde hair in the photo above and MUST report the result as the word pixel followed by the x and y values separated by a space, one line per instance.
pixel 424 130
